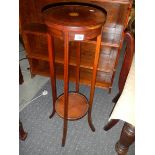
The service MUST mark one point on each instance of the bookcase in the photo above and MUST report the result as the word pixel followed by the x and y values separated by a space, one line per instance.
pixel 34 35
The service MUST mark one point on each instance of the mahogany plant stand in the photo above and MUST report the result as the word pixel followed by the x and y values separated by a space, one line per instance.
pixel 74 22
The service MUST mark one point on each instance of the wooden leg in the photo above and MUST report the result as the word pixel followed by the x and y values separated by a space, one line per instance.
pixel 109 90
pixel 21 79
pixel 22 133
pixel 126 139
pixel 112 79
pixel 115 99
pixel 77 66
pixel 97 53
pixel 52 72
pixel 110 124
pixel 66 60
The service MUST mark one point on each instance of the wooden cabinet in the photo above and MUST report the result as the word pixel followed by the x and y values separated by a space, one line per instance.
pixel 34 36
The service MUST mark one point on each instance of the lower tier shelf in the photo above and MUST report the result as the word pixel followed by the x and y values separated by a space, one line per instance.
pixel 77 106
pixel 103 80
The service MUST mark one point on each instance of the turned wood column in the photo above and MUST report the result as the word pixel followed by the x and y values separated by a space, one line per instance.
pixel 126 139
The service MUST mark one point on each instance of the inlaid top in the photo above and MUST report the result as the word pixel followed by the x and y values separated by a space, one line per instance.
pixel 75 17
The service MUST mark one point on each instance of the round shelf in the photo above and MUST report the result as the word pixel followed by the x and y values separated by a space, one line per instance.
pixel 77 106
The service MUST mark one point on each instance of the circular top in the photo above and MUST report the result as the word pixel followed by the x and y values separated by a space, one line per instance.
pixel 74 17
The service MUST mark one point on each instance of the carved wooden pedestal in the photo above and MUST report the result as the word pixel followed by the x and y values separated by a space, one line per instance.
pixel 126 139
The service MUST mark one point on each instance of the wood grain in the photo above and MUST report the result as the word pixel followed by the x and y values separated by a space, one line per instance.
pixel 77 106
